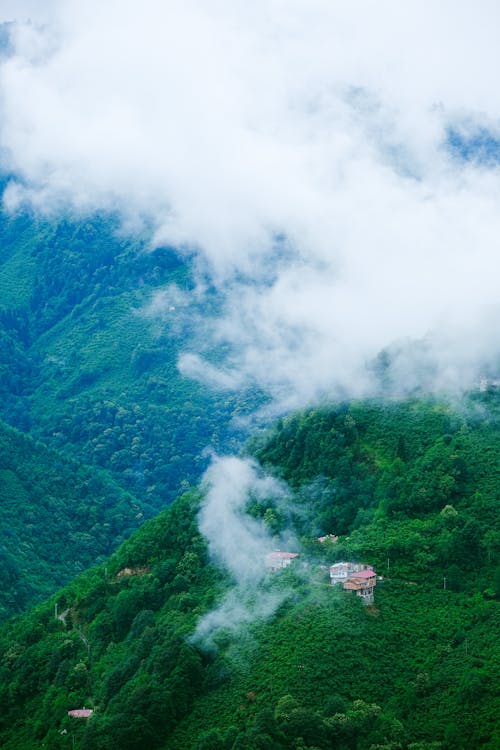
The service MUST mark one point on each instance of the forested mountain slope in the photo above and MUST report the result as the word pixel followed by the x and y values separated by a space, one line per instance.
pixel 88 369
pixel 57 517
pixel 392 467
pixel 416 671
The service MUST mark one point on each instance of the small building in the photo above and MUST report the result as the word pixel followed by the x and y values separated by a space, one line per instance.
pixel 363 583
pixel 81 713
pixel 133 572
pixel 341 571
pixel 279 560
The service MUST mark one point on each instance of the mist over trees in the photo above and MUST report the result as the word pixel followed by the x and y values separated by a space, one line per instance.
pixel 320 670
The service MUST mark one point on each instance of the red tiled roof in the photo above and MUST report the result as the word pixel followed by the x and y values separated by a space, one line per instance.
pixel 369 573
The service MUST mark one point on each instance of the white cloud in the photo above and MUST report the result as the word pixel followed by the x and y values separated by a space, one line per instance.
pixel 238 542
pixel 230 125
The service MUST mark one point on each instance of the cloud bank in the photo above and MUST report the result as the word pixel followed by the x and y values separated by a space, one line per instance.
pixel 300 153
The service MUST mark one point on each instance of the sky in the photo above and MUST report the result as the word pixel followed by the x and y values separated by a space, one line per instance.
pixel 331 168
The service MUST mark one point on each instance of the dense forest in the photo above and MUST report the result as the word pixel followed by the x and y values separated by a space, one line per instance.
pixel 57 517
pixel 410 488
pixel 88 354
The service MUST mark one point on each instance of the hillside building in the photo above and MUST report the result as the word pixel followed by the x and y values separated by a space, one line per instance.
pixel 355 577
pixel 81 713
pixel 341 571
pixel 279 560
pixel 363 584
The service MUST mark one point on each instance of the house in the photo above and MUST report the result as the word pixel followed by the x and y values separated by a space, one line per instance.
pixel 363 583
pixel 81 713
pixel 279 560
pixel 341 571
pixel 133 572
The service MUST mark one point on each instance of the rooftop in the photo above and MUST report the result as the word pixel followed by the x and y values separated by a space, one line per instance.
pixel 81 713
pixel 282 555
pixel 369 573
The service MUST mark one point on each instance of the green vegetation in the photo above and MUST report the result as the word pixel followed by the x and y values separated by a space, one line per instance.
pixel 415 485
pixel 84 369
pixel 57 517
pixel 411 488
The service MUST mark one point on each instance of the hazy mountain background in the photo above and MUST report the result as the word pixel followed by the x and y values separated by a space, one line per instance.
pixel 89 354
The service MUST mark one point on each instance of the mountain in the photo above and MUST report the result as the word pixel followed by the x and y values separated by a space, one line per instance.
pixel 57 517
pixel 91 327
pixel 409 488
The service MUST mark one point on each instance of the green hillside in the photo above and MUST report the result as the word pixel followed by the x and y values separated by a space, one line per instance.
pixel 410 488
pixel 83 367
pixel 57 517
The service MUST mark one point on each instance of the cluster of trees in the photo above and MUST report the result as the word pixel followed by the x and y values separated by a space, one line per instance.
pixel 289 725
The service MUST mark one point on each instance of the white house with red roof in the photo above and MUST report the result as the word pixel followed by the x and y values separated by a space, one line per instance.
pixel 279 560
